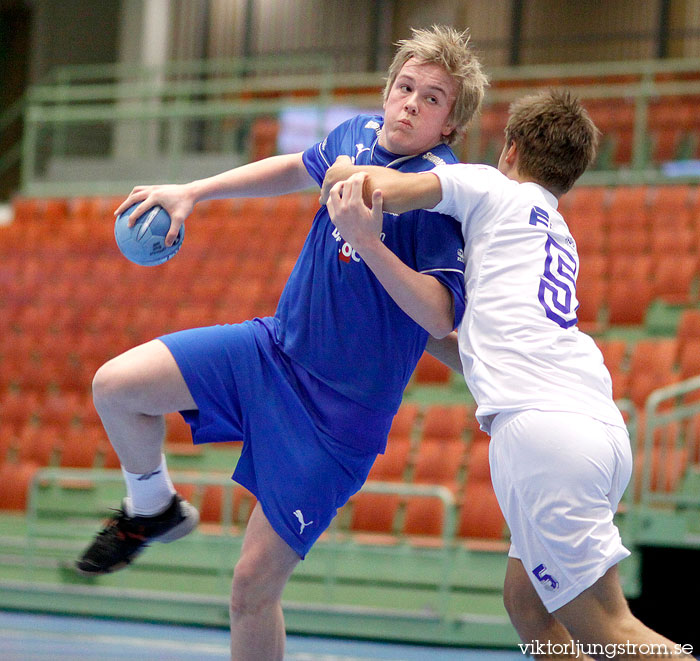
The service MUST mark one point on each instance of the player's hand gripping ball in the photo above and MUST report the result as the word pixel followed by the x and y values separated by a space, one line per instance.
pixel 144 243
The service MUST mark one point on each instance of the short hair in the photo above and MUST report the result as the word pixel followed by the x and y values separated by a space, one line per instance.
pixel 555 137
pixel 449 48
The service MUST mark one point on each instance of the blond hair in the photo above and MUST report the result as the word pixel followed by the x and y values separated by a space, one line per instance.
pixel 555 137
pixel 449 48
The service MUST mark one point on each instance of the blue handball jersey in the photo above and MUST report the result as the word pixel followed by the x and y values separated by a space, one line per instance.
pixel 334 317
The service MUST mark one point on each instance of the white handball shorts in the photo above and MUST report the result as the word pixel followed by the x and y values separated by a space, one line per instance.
pixel 559 478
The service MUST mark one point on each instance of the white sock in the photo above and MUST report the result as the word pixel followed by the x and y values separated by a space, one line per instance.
pixel 148 494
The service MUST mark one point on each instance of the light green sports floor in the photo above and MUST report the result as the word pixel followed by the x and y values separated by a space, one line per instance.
pixel 30 637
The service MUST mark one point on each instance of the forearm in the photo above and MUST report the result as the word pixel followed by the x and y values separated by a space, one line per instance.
pixel 271 176
pixel 276 175
pixel 422 297
pixel 401 191
pixel 446 350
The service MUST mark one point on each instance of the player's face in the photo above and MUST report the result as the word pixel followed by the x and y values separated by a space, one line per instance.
pixel 417 108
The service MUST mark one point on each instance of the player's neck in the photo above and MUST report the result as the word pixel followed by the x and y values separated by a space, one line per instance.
pixel 515 174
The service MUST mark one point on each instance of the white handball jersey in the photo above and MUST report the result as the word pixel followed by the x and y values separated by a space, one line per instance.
pixel 518 339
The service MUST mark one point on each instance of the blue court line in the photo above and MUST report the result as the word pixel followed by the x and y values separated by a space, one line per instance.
pixel 33 637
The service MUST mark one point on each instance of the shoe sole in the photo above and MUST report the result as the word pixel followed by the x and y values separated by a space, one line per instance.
pixel 111 570
pixel 185 527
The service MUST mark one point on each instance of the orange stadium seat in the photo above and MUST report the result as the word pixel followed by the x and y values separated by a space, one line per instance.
pixel 445 422
pixel 629 207
pixel 674 276
pixel 439 461
pixel 689 360
pixel 374 512
pixel 688 327
pixel 177 430
pixel 80 446
pixel 591 294
pixel 478 467
pixel 391 466
pixel 614 352
pixel 673 240
pixel 625 266
pixel 628 241
pixel 404 422
pixel 671 206
pixel 17 409
pixel 590 239
pixel 587 202
pixel 480 515
pixel 189 492
pixel 692 439
pixel 211 506
pixel 628 300
pixel 244 503
pixel 668 466
pixel 430 370
pixel 651 366
pixel 8 443
pixel 15 481
pixel 594 267
pixel 40 444
pixel 424 515
pixel 25 209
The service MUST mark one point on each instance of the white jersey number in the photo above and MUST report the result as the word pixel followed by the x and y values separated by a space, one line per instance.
pixel 557 292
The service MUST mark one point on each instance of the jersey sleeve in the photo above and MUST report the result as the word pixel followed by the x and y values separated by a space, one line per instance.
pixel 322 155
pixel 440 253
pixel 464 187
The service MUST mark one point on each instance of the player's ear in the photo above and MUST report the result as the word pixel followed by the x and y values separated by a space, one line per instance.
pixel 448 128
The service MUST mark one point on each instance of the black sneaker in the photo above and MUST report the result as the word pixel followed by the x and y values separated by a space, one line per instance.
pixel 124 537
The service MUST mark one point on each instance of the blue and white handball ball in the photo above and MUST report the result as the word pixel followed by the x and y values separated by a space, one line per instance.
pixel 144 243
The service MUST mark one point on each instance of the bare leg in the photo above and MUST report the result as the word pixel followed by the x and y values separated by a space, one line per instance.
pixel 600 615
pixel 131 393
pixel 528 615
pixel 262 571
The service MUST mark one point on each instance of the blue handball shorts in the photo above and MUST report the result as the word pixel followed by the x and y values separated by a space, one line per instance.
pixel 246 390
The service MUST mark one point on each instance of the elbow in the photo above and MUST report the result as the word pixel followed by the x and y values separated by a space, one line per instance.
pixel 444 322
pixel 441 330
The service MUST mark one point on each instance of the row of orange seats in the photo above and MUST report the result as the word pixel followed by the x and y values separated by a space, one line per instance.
pixel 479 516
pixel 672 128
pixel 448 450
pixel 626 301
pixel 100 209
pixel 639 368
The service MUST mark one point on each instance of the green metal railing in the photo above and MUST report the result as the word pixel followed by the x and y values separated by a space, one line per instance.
pixel 440 591
pixel 231 93
pixel 663 499
pixel 666 407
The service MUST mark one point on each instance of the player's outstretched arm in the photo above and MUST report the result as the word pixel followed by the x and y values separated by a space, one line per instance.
pixel 276 175
pixel 402 191
pixel 422 297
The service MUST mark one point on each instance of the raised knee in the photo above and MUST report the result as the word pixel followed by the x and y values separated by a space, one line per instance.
pixel 110 385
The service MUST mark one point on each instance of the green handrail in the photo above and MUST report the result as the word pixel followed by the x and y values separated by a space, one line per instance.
pixel 240 89
pixel 656 417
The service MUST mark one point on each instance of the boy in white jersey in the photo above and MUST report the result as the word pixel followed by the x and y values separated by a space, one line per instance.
pixel 560 454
